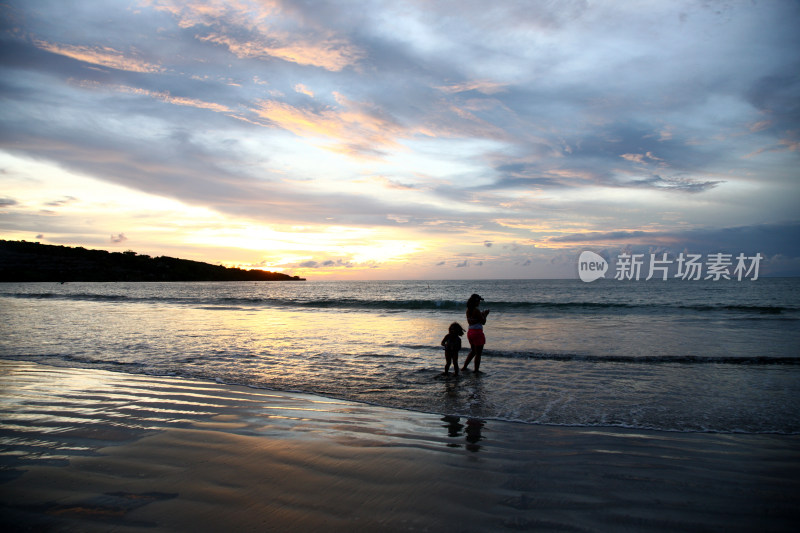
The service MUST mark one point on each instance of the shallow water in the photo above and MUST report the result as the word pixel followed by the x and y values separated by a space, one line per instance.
pixel 682 356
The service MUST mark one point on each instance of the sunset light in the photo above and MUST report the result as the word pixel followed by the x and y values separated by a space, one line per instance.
pixel 391 140
pixel 395 265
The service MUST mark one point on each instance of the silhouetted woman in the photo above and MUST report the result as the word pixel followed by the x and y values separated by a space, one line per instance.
pixel 476 319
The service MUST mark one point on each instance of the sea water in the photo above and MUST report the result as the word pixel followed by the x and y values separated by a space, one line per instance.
pixel 701 356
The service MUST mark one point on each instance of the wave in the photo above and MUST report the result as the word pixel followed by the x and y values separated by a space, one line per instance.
pixel 612 358
pixel 566 307
pixel 645 360
pixel 594 415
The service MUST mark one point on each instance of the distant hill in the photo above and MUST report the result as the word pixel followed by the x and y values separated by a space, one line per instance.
pixel 31 261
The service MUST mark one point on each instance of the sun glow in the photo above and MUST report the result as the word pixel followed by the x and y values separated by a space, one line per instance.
pixel 319 141
pixel 129 219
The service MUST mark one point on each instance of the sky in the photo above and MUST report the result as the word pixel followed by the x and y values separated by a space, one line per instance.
pixel 403 140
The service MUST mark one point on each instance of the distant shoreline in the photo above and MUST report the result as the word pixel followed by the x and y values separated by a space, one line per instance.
pixel 22 261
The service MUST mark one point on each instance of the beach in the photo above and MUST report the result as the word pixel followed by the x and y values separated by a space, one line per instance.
pixel 93 450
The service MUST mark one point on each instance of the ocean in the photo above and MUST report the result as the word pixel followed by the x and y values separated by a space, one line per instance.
pixel 686 356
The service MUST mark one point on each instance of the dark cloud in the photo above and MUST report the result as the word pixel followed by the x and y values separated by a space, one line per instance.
pixel 768 239
pixel 672 184
pixel 776 96
pixel 64 201
pixel 598 236
pixel 617 155
pixel 327 263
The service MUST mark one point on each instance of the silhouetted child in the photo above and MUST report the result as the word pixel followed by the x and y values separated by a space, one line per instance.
pixel 452 344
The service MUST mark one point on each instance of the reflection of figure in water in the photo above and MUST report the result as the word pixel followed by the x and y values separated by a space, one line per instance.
pixel 476 319
pixel 454 427
pixel 474 427
pixel 472 432
pixel 452 344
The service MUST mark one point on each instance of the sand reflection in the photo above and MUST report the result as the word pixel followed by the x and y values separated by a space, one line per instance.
pixel 471 431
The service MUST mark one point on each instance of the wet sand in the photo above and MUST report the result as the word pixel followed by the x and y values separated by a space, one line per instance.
pixel 91 450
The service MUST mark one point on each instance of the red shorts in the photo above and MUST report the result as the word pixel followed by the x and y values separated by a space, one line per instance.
pixel 476 337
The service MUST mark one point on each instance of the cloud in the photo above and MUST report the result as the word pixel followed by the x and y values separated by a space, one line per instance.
pixel 119 238
pixel 329 54
pixel 263 30
pixel 355 129
pixel 102 56
pixel 775 95
pixel 792 145
pixel 64 201
pixel 300 88
pixel 672 183
pixel 769 239
pixel 338 263
pixel 390 183
pixel 640 158
pixel 482 86
pixel 457 125
pixel 601 236
pixel 163 96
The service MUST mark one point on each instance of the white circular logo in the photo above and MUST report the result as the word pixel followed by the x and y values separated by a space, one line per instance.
pixel 591 266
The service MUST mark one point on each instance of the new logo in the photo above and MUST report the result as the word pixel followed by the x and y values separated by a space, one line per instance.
pixel 591 266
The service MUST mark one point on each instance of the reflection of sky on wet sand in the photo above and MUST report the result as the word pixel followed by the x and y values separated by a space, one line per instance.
pixel 244 454
pixel 56 413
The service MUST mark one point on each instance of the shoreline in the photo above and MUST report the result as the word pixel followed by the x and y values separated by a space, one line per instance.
pixel 97 450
